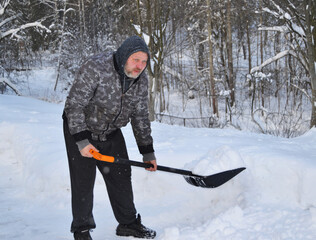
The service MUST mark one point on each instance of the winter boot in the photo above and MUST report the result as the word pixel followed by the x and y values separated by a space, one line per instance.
pixel 82 235
pixel 135 229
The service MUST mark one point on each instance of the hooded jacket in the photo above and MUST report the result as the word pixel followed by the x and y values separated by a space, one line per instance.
pixel 97 104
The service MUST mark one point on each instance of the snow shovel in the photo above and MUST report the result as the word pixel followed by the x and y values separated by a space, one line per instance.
pixel 211 181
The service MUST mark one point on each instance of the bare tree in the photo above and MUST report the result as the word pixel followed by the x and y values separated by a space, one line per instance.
pixel 14 30
pixel 299 23
pixel 152 22
pixel 310 16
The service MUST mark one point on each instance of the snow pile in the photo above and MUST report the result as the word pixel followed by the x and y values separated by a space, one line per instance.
pixel 274 198
pixel 219 160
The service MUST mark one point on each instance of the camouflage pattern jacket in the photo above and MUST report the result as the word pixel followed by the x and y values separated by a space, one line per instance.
pixel 96 104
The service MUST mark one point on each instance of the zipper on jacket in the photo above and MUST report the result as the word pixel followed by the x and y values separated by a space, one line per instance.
pixel 122 88
pixel 116 117
pixel 123 94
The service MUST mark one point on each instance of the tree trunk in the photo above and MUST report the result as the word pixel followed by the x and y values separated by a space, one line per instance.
pixel 201 46
pixel 152 84
pixel 61 45
pixel 310 11
pixel 249 47
pixel 313 117
pixel 231 82
pixel 212 81
pixel 261 55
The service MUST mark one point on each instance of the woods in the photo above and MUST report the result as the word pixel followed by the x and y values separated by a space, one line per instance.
pixel 246 64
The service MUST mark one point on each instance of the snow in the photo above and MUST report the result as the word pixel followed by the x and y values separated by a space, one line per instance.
pixel 274 198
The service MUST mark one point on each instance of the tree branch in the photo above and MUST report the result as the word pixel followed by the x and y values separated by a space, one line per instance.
pixel 11 85
pixel 3 6
pixel 13 32
pixel 273 59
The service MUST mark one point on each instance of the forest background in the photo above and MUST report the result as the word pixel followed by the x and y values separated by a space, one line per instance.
pixel 243 64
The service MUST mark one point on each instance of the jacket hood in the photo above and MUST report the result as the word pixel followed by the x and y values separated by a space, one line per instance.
pixel 131 45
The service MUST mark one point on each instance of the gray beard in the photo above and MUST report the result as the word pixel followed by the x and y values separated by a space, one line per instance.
pixel 131 76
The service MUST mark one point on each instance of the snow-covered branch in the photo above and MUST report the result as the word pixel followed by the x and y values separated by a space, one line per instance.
pixel 273 59
pixel 11 85
pixel 3 6
pixel 13 32
pixel 9 19
pixel 282 14
pixel 176 74
pixel 303 91
pixel 282 29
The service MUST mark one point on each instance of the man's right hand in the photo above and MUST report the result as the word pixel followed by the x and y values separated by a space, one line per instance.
pixel 85 152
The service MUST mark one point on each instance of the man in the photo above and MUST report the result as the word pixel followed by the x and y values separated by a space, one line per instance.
pixel 110 90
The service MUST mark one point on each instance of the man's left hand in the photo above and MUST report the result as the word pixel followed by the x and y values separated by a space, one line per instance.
pixel 153 162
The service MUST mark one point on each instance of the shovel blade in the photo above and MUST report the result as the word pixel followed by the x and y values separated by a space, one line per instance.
pixel 215 180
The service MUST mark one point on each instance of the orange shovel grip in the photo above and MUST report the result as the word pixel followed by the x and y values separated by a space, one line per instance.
pixel 102 157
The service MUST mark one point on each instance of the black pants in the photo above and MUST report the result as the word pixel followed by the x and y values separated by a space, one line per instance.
pixel 117 180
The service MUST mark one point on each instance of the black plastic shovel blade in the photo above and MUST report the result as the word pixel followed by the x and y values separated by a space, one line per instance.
pixel 215 180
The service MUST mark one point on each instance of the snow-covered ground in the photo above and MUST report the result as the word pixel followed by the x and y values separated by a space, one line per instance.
pixel 274 198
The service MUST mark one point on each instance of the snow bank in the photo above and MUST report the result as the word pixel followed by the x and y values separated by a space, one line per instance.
pixel 274 198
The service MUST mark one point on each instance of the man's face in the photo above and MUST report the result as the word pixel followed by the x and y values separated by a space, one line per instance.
pixel 135 64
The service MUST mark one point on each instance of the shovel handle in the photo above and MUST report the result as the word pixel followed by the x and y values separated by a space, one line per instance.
pixel 101 157
pixel 111 159
pixel 211 181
